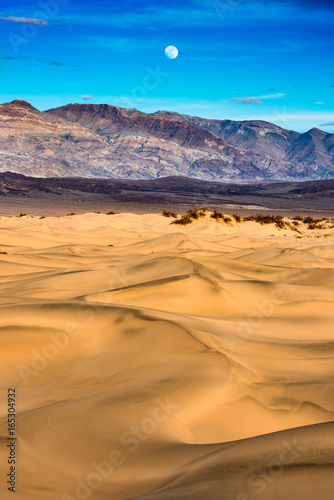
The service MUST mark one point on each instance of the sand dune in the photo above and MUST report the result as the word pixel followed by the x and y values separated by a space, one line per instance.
pixel 153 361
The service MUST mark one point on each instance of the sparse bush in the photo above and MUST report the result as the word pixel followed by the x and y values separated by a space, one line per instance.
pixel 298 217
pixel 267 219
pixel 313 225
pixel 184 220
pixel 237 217
pixel 111 213
pixel 21 215
pixel 72 213
pixel 3 253
pixel 42 217
pixel 217 215
pixel 280 224
pixel 293 226
pixel 203 211
pixel 194 213
pixel 250 218
pixel 191 215
pixel 227 220
pixel 167 213
pixel 311 220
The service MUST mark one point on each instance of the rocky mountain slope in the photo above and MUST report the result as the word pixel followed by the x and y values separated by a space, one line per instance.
pixel 90 140
pixel 310 153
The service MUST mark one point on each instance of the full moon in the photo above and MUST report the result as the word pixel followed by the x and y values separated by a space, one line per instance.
pixel 171 52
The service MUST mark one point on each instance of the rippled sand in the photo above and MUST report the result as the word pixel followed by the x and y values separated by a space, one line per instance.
pixel 155 361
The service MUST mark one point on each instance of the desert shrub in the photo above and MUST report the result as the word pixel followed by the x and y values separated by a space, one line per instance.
pixel 311 220
pixel 203 211
pixel 220 216
pixel 298 217
pixel 191 215
pixel 250 218
pixel 97 212
pixel 72 213
pixel 196 213
pixel 293 226
pixel 111 213
pixel 237 217
pixel 183 221
pixel 267 219
pixel 217 215
pixel 42 217
pixel 315 225
pixel 167 213
pixel 280 224
pixel 21 215
pixel 3 253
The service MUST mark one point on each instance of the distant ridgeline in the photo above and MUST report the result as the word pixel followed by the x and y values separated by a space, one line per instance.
pixel 88 140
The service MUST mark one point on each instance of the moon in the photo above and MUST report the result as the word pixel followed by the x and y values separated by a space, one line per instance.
pixel 171 52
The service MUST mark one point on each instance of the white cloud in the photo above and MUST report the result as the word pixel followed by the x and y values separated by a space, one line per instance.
pixel 247 100
pixel 272 96
pixel 25 20
pixel 86 97
pixel 256 99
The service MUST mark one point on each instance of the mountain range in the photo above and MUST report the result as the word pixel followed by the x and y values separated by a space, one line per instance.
pixel 90 140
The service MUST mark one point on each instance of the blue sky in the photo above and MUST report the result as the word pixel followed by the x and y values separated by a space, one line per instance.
pixel 270 60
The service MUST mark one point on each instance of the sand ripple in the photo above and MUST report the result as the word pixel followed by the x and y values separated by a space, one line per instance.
pixel 157 363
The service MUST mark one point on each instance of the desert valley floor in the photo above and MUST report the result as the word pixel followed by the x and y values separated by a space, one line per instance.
pixel 154 361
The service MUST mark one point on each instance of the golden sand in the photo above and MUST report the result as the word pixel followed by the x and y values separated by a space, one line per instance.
pixel 154 361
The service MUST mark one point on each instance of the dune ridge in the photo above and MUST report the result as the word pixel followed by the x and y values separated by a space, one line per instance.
pixel 153 361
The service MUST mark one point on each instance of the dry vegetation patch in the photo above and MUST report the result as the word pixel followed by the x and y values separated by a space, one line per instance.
pixel 278 220
pixel 168 213
pixel 295 223
pixel 191 215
